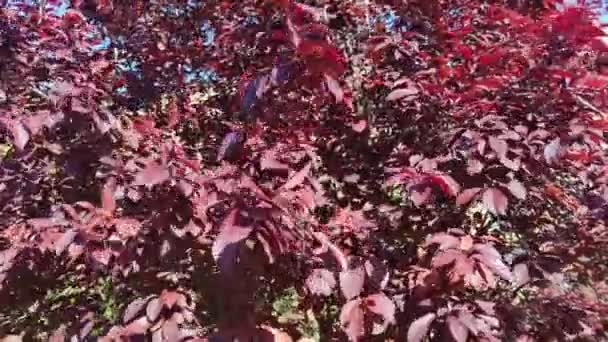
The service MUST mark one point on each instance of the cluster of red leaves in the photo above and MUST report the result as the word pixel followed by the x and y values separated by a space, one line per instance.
pixel 124 172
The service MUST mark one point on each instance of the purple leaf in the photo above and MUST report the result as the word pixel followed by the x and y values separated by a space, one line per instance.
pixel 153 309
pixel 495 201
pixel 351 319
pixel 133 309
pixel 154 173
pixel 137 327
pixel 377 273
pixel 421 196
pixel 230 147
pixel 321 282
pixel 447 257
pixel 444 240
pixel 171 330
pixel 230 235
pixel 268 162
pixel 381 305
pixel 297 178
pixel 58 335
pixel 499 146
pixel 474 167
pixel 66 239
pixel 517 189
pixel 551 151
pixel 513 164
pixel 420 327
pixel 20 136
pixel 492 258
pixel 459 331
pixel 521 274
pixel 351 282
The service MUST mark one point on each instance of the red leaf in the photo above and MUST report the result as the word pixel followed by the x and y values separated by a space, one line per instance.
pixel 446 183
pixel 154 173
pixel 517 189
pixel 401 93
pixel 351 282
pixel 459 331
pixel 321 282
pixel 351 319
pixel 466 196
pixel 420 327
pixel 381 305
pixel 297 178
pixel 495 201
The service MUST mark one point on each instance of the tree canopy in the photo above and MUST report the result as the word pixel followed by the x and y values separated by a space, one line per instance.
pixel 312 170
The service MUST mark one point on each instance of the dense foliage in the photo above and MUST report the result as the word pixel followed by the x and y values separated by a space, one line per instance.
pixel 313 171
